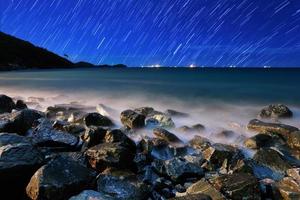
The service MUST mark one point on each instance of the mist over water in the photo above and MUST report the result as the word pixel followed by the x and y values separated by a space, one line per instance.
pixel 220 99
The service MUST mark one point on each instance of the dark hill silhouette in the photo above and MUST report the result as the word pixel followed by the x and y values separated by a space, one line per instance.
pixel 16 53
pixel 19 54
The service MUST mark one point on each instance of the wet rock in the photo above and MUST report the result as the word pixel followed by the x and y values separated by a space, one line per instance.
pixel 17 164
pixel 93 136
pixel 276 111
pixel 149 175
pixel 294 173
pixel 199 142
pixel 195 128
pixel 122 188
pixel 76 117
pixel 116 135
pixel 180 169
pixel 44 135
pixel 106 111
pixel 160 120
pixel 175 113
pixel 198 127
pixel 272 159
pixel 218 153
pixel 19 122
pixel 96 119
pixel 74 129
pixel 20 105
pixel 12 138
pixel 226 134
pixel 110 155
pixel 91 195
pixel 6 104
pixel 238 186
pixel 60 179
pixel 166 135
pixel 289 188
pixel 194 197
pixel 258 141
pixel 132 119
pixel 294 140
pixel 146 111
pixel 203 187
pixel 263 127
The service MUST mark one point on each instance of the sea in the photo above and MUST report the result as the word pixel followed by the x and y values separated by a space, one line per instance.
pixel 218 98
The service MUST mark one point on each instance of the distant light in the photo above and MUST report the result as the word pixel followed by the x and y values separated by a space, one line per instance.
pixel 157 65
pixel 192 66
pixel 266 67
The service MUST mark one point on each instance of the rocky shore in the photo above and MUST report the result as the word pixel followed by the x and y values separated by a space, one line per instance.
pixel 71 151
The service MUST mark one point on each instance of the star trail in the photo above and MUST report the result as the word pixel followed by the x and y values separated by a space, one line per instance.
pixel 245 33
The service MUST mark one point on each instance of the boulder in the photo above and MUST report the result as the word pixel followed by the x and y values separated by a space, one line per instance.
pixel 293 140
pixel 264 127
pixel 6 104
pixel 271 159
pixel 96 119
pixel 276 111
pixel 132 119
pixel 175 113
pixel 258 141
pixel 93 136
pixel 199 142
pixel 60 179
pixel 20 105
pixel 12 138
pixel 294 173
pixel 218 153
pixel 289 188
pixel 160 120
pixel 74 129
pixel 18 162
pixel 107 155
pixel 198 128
pixel 166 135
pixel 116 135
pixel 20 122
pixel 193 197
pixel 122 188
pixel 146 111
pixel 76 117
pixel 238 186
pixel 44 135
pixel 91 195
pixel 179 169
pixel 203 187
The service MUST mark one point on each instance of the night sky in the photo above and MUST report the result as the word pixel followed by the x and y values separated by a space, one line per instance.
pixel 165 32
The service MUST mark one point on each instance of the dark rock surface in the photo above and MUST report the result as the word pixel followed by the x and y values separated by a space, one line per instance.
pixel 132 119
pixel 96 119
pixel 276 111
pixel 166 135
pixel 6 103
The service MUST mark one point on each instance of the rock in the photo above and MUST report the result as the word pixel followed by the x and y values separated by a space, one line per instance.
pixel 276 111
pixel 146 111
pixel 6 104
pixel 12 138
pixel 238 186
pixel 263 127
pixel 17 164
pixel 218 153
pixel 45 135
pixel 132 119
pixel 74 129
pixel 96 119
pixel 203 187
pixel 294 140
pixel 20 105
pixel 289 188
pixel 91 195
pixel 175 113
pixel 106 111
pixel 110 155
pixel 198 127
pixel 60 179
pixel 20 122
pixel 272 159
pixel 93 136
pixel 180 169
pixel 160 120
pixel 194 197
pixel 226 134
pixel 166 135
pixel 199 142
pixel 258 141
pixel 76 117
pixel 294 173
pixel 114 136
pixel 122 188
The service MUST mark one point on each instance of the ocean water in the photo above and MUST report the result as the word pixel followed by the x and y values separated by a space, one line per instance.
pixel 220 99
